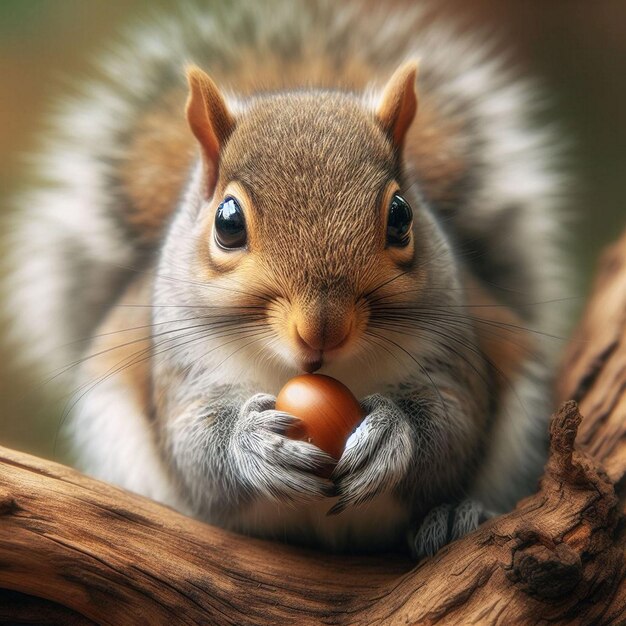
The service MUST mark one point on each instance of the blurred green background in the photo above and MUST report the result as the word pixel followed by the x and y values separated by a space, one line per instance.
pixel 576 48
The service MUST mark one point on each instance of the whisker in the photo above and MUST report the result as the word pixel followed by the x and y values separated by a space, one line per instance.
pixel 384 283
pixel 422 368
pixel 474 349
pixel 425 290
pixel 129 361
pixel 190 306
pixel 455 324
pixel 151 336
pixel 141 327
pixel 400 313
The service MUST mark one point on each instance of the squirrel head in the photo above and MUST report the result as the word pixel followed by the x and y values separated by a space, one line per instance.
pixel 303 208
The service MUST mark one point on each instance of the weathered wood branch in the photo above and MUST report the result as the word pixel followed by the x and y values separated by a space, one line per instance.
pixel 79 551
pixel 594 368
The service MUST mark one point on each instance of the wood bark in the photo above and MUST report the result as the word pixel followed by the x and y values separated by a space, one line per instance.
pixel 77 551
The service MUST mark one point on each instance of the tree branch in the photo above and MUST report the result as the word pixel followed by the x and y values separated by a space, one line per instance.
pixel 101 554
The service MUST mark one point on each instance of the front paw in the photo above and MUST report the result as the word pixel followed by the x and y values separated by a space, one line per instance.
pixel 444 524
pixel 377 455
pixel 272 465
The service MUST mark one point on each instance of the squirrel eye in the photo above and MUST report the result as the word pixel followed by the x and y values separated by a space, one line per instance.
pixel 399 220
pixel 230 225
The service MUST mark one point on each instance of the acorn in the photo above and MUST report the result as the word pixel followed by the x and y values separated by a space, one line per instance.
pixel 328 411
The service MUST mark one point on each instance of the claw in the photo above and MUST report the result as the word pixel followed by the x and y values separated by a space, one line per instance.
pixel 336 508
pixel 331 491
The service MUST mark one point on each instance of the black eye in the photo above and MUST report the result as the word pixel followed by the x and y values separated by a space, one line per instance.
pixel 230 225
pixel 399 222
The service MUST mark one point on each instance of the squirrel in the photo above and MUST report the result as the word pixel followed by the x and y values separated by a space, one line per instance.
pixel 256 190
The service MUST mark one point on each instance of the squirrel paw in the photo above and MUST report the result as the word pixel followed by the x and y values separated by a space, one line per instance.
pixel 272 465
pixel 445 523
pixel 376 457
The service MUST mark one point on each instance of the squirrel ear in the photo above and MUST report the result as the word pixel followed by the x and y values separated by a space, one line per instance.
pixel 398 104
pixel 209 120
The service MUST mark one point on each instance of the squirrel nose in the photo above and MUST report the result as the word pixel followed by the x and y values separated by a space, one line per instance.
pixel 322 337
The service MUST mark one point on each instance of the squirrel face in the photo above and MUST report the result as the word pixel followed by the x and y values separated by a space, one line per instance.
pixel 304 208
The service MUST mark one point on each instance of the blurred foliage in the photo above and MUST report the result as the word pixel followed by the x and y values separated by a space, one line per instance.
pixel 576 48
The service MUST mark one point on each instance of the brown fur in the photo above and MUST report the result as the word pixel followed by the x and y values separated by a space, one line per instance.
pixel 156 166
pixel 337 206
pixel 161 148
pixel 501 334
pixel 209 120
pixel 262 73
pixel 399 103
pixel 122 347
pixel 433 148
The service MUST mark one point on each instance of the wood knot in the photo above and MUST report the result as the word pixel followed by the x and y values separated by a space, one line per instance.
pixel 546 572
pixel 8 506
pixel 563 430
pixel 567 465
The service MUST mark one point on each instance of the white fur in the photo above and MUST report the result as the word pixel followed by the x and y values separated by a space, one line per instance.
pixel 113 441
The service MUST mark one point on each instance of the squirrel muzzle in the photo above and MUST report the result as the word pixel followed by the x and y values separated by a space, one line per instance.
pixel 320 329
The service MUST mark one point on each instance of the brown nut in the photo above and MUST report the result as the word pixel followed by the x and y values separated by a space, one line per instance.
pixel 327 409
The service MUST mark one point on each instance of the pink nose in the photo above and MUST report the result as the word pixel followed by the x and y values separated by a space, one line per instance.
pixel 324 337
